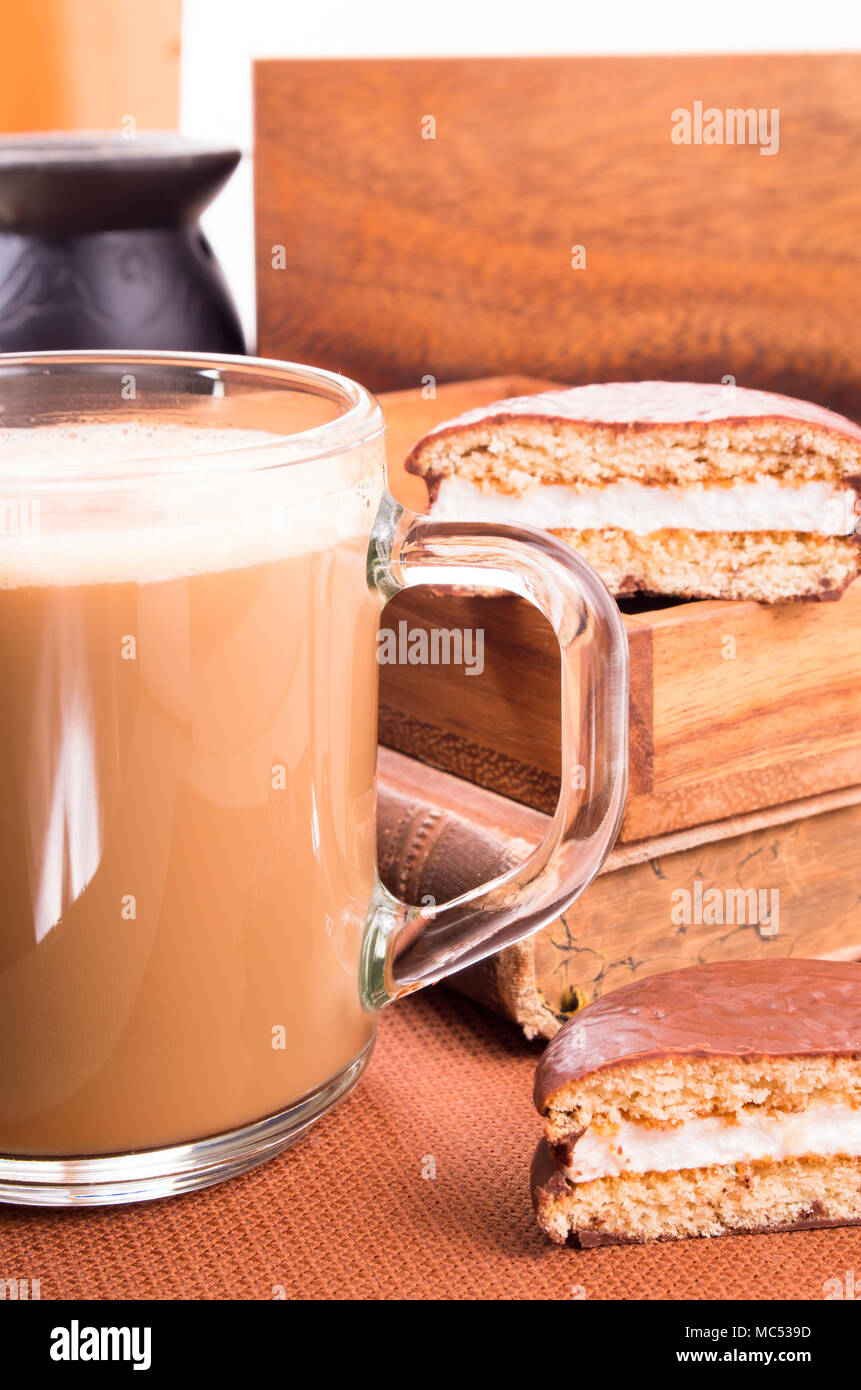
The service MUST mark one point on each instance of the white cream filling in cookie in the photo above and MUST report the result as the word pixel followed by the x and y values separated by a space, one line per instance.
pixel 824 1130
pixel 818 508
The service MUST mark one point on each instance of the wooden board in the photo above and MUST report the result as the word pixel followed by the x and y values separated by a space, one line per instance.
pixel 392 257
pixel 734 706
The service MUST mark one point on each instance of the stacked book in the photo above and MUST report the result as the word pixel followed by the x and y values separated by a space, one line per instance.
pixel 782 882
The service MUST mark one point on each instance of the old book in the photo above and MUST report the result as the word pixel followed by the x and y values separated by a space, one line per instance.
pixel 778 882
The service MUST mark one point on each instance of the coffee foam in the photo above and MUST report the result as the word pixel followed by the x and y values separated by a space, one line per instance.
pixel 111 449
pixel 90 517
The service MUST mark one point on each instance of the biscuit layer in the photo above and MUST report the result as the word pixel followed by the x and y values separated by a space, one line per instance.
pixel 663 433
pixel 769 566
pixel 719 1200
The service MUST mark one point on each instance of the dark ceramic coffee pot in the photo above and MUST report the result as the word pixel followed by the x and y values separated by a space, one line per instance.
pixel 100 245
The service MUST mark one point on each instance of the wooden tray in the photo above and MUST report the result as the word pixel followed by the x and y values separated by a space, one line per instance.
pixel 712 735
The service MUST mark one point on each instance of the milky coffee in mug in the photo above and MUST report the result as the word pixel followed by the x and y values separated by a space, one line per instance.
pixel 193 941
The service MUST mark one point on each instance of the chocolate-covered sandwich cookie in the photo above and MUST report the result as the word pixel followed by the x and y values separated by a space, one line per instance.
pixel 723 1098
pixel 666 487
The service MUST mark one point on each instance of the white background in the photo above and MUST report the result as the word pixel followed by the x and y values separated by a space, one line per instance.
pixel 222 37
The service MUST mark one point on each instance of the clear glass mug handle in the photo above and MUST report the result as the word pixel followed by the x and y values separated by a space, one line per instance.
pixel 408 947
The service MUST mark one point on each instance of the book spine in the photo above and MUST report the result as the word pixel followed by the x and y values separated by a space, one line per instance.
pixel 782 882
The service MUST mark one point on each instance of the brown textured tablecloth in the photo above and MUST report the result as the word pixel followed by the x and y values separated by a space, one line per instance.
pixel 349 1214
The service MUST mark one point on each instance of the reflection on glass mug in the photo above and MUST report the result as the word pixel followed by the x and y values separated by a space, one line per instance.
pixel 194 942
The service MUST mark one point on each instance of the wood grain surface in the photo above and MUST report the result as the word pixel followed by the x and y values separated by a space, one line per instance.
pixel 734 706
pixel 393 257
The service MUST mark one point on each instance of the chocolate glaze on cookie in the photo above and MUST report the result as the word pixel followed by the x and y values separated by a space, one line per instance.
pixel 643 405
pixel 744 1009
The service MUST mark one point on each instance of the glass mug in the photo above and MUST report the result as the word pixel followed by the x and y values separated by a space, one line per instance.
pixel 194 941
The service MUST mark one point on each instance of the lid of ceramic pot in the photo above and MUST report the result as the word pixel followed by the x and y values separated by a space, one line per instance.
pixel 67 184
